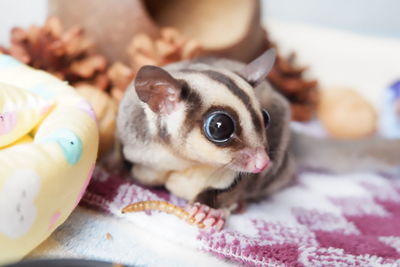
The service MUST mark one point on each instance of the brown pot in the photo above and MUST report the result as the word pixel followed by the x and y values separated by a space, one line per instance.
pixel 229 28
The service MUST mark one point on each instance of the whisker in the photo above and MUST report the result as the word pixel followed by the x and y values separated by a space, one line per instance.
pixel 273 152
pixel 222 169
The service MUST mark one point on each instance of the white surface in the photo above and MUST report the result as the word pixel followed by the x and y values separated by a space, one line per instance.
pixel 20 13
pixel 374 17
pixel 84 235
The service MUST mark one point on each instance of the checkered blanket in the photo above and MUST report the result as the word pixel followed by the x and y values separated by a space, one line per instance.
pixel 319 220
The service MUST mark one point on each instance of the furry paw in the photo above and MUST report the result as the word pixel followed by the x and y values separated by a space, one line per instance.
pixel 211 218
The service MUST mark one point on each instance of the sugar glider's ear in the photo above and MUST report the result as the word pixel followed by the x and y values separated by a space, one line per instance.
pixel 158 89
pixel 256 71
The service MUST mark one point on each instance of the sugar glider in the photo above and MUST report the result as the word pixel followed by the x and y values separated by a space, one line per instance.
pixel 214 131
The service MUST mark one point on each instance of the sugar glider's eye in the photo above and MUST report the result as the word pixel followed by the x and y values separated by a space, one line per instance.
pixel 219 127
pixel 266 118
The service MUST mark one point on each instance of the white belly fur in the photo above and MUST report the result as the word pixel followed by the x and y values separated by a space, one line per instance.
pixel 179 176
pixel 192 181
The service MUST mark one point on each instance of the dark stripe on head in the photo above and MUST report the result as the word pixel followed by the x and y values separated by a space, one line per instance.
pixel 239 93
pixel 194 105
pixel 253 84
pixel 162 131
pixel 137 122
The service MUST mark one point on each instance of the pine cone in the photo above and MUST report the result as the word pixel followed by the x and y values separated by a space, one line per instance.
pixel 120 76
pixel 68 55
pixel 170 47
pixel 289 79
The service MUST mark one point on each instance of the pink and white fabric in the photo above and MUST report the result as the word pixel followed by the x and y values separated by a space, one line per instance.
pixel 319 220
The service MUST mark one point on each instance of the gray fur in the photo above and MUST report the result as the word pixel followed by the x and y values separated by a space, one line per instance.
pixel 286 149
pixel 136 127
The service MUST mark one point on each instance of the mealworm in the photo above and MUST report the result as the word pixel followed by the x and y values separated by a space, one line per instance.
pixel 163 206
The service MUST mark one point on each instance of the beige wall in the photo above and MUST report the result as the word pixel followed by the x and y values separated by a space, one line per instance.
pixel 376 17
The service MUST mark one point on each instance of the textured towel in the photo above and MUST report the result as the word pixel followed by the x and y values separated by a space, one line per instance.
pixel 321 219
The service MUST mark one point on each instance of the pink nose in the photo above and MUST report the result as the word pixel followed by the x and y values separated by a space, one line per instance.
pixel 257 160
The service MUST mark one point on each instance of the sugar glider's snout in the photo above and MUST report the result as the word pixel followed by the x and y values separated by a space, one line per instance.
pixel 253 160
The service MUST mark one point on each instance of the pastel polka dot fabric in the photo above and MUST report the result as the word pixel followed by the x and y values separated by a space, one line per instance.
pixel 48 147
pixel 20 112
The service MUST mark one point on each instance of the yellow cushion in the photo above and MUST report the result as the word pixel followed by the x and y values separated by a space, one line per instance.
pixel 23 140
pixel 44 173
pixel 20 111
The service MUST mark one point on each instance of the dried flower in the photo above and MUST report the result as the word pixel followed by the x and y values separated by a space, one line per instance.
pixel 120 76
pixel 170 47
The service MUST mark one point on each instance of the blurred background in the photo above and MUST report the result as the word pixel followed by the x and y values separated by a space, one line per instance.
pixel 351 44
pixel 371 17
